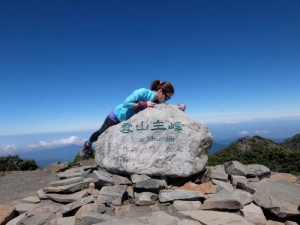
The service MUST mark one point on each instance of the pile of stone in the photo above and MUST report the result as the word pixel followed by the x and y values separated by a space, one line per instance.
pixel 227 194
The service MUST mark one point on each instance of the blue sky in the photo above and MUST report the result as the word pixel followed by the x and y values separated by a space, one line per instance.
pixel 65 64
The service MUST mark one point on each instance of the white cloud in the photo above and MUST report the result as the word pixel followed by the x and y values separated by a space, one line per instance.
pixel 261 132
pixel 57 143
pixel 244 132
pixel 7 149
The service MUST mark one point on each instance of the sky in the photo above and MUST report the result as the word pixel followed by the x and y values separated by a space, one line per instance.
pixel 65 64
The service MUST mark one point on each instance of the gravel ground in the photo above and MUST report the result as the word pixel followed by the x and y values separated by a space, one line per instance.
pixel 17 185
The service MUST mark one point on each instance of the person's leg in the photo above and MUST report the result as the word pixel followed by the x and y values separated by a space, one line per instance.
pixel 94 137
pixel 108 122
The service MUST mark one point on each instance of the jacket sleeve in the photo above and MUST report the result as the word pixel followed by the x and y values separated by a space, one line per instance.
pixel 134 97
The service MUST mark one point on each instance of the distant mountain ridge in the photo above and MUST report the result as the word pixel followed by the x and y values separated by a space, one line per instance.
pixel 246 143
pixel 259 150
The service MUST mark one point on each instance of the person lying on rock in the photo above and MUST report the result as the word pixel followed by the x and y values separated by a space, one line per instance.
pixel 140 99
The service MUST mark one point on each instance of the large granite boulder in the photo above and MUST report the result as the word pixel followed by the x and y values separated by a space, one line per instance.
pixel 159 141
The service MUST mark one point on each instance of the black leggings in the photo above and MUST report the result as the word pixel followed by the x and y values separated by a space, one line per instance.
pixel 108 122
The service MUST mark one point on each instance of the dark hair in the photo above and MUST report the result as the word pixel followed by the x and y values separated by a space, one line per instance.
pixel 165 86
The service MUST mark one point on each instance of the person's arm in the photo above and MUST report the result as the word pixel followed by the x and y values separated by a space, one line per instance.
pixel 137 100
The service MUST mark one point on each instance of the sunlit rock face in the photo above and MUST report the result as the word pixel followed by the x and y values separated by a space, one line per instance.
pixel 159 141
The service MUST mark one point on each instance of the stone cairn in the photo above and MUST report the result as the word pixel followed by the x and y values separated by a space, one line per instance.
pixel 226 194
pixel 152 169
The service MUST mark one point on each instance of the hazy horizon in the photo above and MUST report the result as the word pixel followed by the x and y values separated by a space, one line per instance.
pixel 271 129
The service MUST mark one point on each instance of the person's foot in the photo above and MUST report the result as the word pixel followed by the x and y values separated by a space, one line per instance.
pixel 85 150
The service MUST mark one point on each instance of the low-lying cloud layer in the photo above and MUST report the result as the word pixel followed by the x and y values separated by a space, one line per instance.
pixel 9 149
pixel 256 132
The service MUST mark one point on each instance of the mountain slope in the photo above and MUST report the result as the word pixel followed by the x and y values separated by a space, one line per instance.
pixel 259 150
pixel 292 143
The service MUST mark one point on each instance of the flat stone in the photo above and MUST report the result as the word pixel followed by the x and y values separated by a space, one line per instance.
pixel 121 180
pixel 46 206
pixel 205 188
pixel 154 218
pixel 63 175
pixel 203 177
pixel 271 222
pixel 31 199
pixel 91 207
pixel 6 213
pixel 178 194
pixel 260 171
pixel 57 167
pixel 103 179
pixel 236 168
pixel 76 204
pixel 66 181
pixel 284 176
pixel 220 185
pixel 94 218
pixel 160 217
pixel 254 179
pixel 130 196
pixel 112 194
pixel 67 221
pixel 135 178
pixel 247 186
pixel 66 198
pixel 223 200
pixel 145 198
pixel 24 207
pixel 125 221
pixel 70 175
pixel 151 185
pixel 218 173
pixel 214 217
pixel 279 197
pixel 187 205
pixel 124 209
pixel 235 179
pixel 41 194
pixel 243 196
pixel 254 214
pixel 70 188
pixel 41 218
pixel 17 220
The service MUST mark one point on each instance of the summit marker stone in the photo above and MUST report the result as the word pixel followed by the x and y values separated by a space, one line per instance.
pixel 159 141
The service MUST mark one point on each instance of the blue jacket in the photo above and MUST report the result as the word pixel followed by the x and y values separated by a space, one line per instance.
pixel 125 111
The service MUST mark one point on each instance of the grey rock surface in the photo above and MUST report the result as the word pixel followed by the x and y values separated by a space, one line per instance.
pixel 159 141
pixel 145 198
pixel 254 214
pixel 112 194
pixel 279 197
pixel 179 194
pixel 187 205
pixel 223 200
pixel 217 218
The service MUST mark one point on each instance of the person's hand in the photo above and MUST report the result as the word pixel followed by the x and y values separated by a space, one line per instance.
pixel 181 107
pixel 150 104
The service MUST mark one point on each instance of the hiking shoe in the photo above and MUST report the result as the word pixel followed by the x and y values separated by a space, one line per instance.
pixel 85 150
